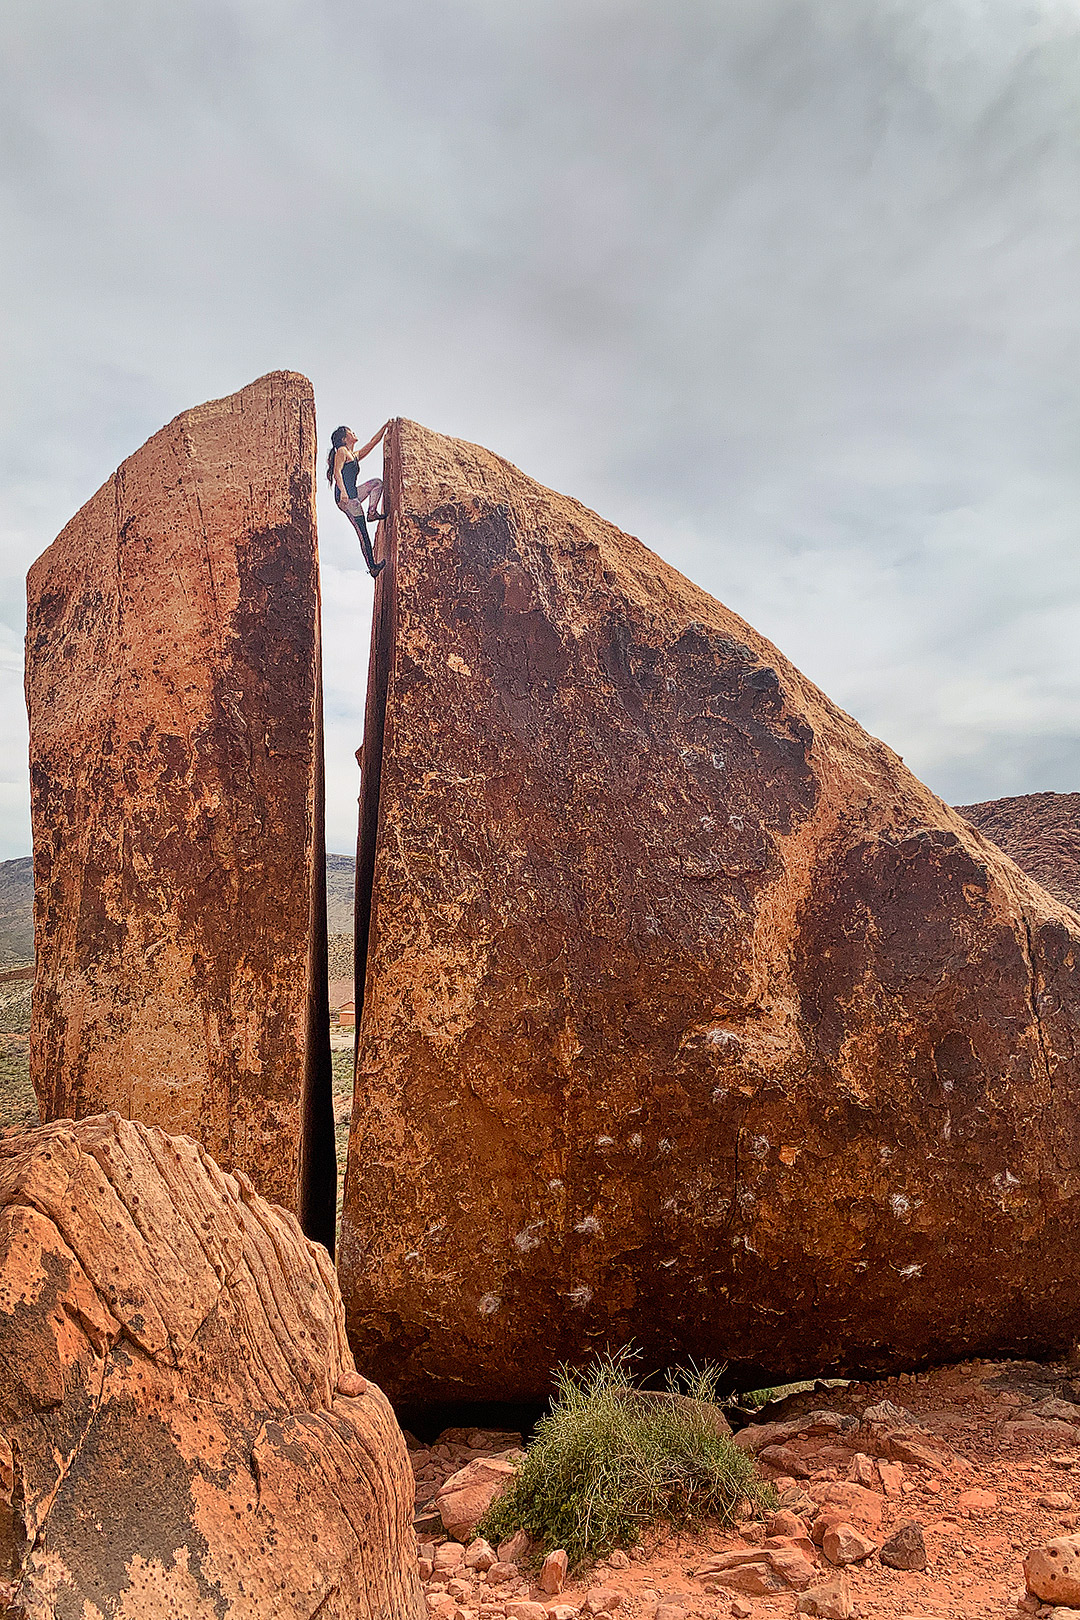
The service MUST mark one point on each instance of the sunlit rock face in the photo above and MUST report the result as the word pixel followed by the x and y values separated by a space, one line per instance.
pixel 690 1018
pixel 172 674
pixel 182 1429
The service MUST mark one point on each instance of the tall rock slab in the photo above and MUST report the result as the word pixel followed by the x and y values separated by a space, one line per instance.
pixel 690 1018
pixel 173 686
pixel 182 1430
pixel 1041 833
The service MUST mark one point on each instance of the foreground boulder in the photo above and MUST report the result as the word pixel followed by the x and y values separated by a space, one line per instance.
pixel 184 1428
pixel 1041 832
pixel 690 1017
pixel 173 685
pixel 467 1495
pixel 1052 1572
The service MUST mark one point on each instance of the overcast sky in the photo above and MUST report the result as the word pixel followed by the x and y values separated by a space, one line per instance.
pixel 789 288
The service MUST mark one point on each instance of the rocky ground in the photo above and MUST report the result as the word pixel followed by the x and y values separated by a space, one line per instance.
pixel 16 986
pixel 982 1461
pixel 18 1105
pixel 342 1081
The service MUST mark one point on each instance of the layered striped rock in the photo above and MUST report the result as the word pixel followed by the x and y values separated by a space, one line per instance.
pixel 172 676
pixel 690 1017
pixel 183 1427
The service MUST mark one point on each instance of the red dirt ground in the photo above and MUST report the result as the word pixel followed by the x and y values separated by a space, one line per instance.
pixel 980 1507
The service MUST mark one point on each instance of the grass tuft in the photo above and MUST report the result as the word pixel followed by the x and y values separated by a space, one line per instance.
pixel 609 1459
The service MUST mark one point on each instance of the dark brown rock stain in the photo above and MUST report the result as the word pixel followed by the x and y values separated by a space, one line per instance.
pixel 177 793
pixel 689 1016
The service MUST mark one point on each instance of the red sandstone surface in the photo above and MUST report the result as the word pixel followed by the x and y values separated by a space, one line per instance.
pixel 172 676
pixel 182 1430
pixel 690 1017
pixel 995 1481
pixel 1041 832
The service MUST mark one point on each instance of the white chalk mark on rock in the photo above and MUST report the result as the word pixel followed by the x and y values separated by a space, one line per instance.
pixel 529 1237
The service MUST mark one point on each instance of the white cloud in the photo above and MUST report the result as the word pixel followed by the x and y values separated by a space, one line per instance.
pixel 787 287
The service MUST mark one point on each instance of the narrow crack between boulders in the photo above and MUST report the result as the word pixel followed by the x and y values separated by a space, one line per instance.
pixel 317 1201
pixel 380 665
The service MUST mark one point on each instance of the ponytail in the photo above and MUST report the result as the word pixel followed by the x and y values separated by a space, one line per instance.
pixel 337 442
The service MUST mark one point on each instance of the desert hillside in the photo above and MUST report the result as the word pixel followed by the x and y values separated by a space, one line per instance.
pixel 1041 831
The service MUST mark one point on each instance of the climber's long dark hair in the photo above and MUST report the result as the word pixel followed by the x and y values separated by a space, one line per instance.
pixel 337 442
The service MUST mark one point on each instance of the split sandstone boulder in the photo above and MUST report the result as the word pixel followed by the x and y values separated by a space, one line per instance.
pixel 689 1016
pixel 173 687
pixel 184 1429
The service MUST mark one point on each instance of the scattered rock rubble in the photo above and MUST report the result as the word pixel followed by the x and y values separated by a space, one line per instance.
pixel 934 1496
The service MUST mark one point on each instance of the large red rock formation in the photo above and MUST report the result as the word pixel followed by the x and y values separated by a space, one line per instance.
pixel 184 1430
pixel 690 1018
pixel 1041 832
pixel 172 677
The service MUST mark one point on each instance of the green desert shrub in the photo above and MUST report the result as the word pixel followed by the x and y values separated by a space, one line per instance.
pixel 609 1459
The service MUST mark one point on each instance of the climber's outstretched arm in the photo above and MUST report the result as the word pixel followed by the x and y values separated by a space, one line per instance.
pixel 369 447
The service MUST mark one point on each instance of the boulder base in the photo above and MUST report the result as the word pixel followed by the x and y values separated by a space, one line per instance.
pixel 177 1405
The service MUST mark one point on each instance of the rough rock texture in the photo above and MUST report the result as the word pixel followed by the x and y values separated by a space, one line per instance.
pixel 1041 832
pixel 689 1016
pixel 172 677
pixel 1052 1572
pixel 174 1396
pixel 467 1495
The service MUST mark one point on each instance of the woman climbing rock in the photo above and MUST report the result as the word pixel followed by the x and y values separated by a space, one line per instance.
pixel 342 469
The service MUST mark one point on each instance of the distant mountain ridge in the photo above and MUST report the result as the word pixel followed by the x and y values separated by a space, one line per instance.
pixel 1041 832
pixel 17 909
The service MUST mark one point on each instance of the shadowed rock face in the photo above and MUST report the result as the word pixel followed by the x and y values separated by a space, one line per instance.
pixel 183 1429
pixel 172 677
pixel 690 1017
pixel 1041 832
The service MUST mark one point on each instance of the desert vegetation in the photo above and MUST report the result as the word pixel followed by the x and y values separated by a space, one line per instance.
pixel 609 1459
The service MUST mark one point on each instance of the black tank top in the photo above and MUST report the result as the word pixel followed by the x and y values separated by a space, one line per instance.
pixel 349 471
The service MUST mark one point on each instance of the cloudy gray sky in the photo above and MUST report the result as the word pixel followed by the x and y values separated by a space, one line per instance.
pixel 789 288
